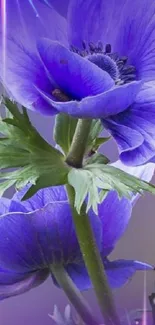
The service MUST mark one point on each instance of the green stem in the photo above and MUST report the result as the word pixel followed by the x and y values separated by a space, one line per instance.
pixel 93 262
pixel 78 146
pixel 85 234
pixel 73 294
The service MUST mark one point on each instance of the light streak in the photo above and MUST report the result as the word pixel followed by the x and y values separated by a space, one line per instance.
pixel 144 318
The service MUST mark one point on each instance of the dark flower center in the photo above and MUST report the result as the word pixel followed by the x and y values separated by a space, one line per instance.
pixel 117 67
pixel 105 63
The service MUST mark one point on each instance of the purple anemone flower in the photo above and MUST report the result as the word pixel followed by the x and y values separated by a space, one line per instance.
pixel 40 231
pixel 99 63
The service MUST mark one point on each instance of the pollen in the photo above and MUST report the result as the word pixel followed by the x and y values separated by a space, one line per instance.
pixel 60 95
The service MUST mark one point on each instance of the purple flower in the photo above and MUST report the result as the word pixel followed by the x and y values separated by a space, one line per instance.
pixel 103 67
pixel 59 5
pixel 40 231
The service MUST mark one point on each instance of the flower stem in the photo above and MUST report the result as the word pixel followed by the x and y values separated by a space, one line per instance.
pixel 79 142
pixel 73 294
pixel 93 262
pixel 85 234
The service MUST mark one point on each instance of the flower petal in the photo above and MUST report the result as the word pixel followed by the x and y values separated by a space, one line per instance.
pixel 134 129
pixel 119 272
pixel 10 277
pixel 79 275
pixel 60 6
pixel 34 20
pixel 135 37
pixel 32 241
pixel 39 200
pixel 74 75
pixel 19 287
pixel 92 21
pixel 108 103
pixel 23 75
pixel 114 215
pixel 144 172
pixel 4 205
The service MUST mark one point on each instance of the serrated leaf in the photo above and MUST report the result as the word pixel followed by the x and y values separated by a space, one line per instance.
pixel 12 107
pixel 80 180
pixel 102 195
pixel 57 177
pixel 22 147
pixel 64 129
pixel 94 182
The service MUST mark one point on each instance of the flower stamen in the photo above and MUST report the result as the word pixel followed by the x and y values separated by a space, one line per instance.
pixel 107 60
pixel 60 95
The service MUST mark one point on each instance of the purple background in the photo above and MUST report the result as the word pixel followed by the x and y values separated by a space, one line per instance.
pixel 33 307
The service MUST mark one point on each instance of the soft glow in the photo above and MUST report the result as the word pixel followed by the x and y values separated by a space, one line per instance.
pixel 4 24
pixel 144 319
pixel 34 8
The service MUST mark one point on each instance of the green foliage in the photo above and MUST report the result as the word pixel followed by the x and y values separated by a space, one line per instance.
pixel 64 129
pixel 94 181
pixel 97 158
pixel 22 148
pixel 94 141
pixel 31 159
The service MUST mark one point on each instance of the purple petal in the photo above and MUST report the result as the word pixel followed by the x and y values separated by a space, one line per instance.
pixel 114 215
pixel 8 277
pixel 22 76
pixel 144 172
pixel 32 241
pixel 39 200
pixel 4 205
pixel 79 275
pixel 109 103
pixel 119 272
pixel 92 21
pixel 134 129
pixel 75 76
pixel 21 286
pixel 59 5
pixel 135 37
pixel 34 20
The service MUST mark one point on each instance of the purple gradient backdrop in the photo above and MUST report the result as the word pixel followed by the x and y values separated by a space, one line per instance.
pixel 33 307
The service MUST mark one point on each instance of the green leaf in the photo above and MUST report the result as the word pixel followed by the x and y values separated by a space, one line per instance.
pixel 94 142
pixel 99 141
pixel 23 148
pixel 96 180
pixel 96 129
pixel 83 183
pixel 64 129
pixel 97 158
pixel 54 178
